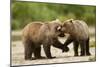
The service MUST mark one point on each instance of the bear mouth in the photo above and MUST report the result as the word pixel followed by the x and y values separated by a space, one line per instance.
pixel 61 35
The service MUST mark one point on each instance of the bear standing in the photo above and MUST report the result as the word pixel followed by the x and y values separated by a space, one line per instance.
pixel 37 34
pixel 79 34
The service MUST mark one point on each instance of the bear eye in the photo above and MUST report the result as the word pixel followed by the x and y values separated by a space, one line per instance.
pixel 58 28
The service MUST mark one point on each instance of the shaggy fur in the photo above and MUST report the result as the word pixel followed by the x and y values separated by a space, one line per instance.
pixel 37 34
pixel 79 34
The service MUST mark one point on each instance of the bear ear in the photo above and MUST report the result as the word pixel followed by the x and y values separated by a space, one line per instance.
pixel 70 20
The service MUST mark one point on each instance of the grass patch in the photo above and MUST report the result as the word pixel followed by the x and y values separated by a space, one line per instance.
pixel 93 44
pixel 92 58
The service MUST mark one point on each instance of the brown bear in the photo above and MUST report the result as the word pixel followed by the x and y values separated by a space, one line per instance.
pixel 79 34
pixel 37 34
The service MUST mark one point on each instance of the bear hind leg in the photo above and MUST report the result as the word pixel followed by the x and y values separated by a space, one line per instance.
pixel 28 51
pixel 87 48
pixel 76 45
pixel 82 46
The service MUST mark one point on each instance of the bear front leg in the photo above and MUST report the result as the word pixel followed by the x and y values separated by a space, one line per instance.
pixel 67 42
pixel 59 45
pixel 28 52
pixel 37 53
pixel 47 51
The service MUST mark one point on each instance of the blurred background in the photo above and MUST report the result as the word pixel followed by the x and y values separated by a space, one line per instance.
pixel 26 12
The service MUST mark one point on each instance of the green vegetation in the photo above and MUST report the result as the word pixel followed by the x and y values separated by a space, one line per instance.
pixel 25 12
pixel 93 58
pixel 92 44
